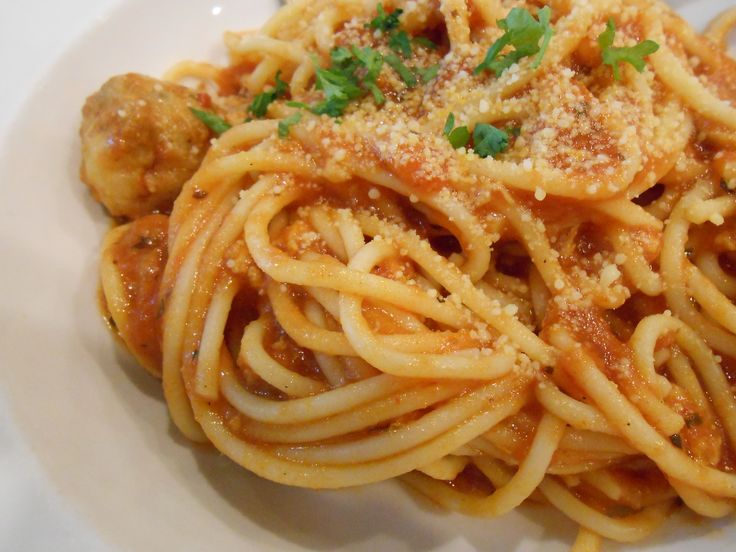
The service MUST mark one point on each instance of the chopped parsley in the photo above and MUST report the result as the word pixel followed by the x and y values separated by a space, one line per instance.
pixel 489 140
pixel 426 74
pixel 424 42
pixel 286 124
pixel 458 137
pixel 352 73
pixel 400 43
pixel 342 57
pixel 449 124
pixel 215 123
pixel 260 103
pixel 385 21
pixel 524 33
pixel 372 61
pixel 633 55
pixel 339 84
pixel 404 72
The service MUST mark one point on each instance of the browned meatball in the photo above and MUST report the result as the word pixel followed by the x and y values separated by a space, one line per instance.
pixel 140 143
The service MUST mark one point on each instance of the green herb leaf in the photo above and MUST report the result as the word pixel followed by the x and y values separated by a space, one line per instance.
pixel 334 107
pixel 384 21
pixel 343 60
pixel 259 105
pixel 337 84
pixel 513 131
pixel 426 74
pixel 372 61
pixel 216 124
pixel 286 124
pixel 342 83
pixel 459 137
pixel 489 140
pixel 281 87
pixel 424 42
pixel 399 42
pixel 404 72
pixel 300 105
pixel 633 55
pixel 378 96
pixel 340 56
pixel 544 16
pixel 524 33
pixel 449 124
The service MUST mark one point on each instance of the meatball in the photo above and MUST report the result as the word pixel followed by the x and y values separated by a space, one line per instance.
pixel 140 144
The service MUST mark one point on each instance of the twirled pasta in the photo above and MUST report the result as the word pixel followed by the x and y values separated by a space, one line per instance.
pixel 355 299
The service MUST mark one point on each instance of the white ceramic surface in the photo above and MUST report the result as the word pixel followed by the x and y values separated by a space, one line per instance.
pixel 88 458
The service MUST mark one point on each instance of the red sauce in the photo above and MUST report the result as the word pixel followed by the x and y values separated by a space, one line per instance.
pixel 228 80
pixel 287 353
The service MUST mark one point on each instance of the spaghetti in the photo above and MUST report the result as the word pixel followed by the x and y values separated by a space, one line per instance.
pixel 500 268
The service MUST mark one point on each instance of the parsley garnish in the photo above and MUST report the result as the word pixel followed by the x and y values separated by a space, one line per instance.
pixel 339 84
pixel 342 59
pixel 524 33
pixel 424 42
pixel 399 42
pixel 634 54
pixel 449 124
pixel 372 61
pixel 384 21
pixel 260 103
pixel 342 83
pixel 426 74
pixel 459 136
pixel 489 140
pixel 404 72
pixel 286 124
pixel 216 124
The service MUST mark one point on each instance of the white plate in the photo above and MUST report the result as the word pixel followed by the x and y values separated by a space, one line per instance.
pixel 116 475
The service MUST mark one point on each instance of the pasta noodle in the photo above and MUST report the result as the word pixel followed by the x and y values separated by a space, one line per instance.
pixel 498 270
